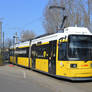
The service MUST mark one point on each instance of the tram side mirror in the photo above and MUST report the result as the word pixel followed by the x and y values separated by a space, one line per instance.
pixel 62 39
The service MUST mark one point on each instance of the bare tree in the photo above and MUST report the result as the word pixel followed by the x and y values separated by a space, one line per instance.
pixel 8 42
pixel 27 35
pixel 52 17
pixel 76 10
pixel 90 13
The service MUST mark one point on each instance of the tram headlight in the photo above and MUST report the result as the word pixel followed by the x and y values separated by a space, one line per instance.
pixel 73 65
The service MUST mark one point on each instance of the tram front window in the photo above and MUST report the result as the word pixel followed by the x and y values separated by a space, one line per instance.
pixel 80 47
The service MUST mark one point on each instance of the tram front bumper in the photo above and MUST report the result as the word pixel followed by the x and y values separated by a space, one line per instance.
pixel 80 78
pixel 80 74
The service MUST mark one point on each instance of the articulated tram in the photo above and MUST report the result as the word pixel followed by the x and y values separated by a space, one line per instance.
pixel 67 54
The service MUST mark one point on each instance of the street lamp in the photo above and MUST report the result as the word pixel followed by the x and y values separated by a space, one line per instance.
pixel 64 16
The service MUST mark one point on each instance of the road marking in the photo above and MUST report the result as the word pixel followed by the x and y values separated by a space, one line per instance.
pixel 24 73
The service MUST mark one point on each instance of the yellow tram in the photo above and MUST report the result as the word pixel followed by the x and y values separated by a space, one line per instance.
pixel 67 54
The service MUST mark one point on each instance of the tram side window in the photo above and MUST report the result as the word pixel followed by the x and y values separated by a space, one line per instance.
pixel 11 52
pixel 42 51
pixel 62 51
pixel 22 52
pixel 27 52
pixel 39 51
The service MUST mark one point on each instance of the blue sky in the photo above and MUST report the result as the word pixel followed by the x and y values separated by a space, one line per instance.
pixel 22 14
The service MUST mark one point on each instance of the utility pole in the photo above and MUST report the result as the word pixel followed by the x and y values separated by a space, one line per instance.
pixel 0 37
pixel 3 45
pixel 15 41
pixel 16 38
pixel 3 40
pixel 0 34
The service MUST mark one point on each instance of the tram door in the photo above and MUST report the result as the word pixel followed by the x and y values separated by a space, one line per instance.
pixel 33 55
pixel 52 57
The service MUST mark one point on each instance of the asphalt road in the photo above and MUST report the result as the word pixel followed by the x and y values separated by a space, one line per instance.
pixel 16 79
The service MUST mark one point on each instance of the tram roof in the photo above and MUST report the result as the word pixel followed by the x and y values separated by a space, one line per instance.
pixel 22 44
pixel 64 33
pixel 77 30
pixel 55 36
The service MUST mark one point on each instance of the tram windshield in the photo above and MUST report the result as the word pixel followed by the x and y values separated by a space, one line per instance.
pixel 80 47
